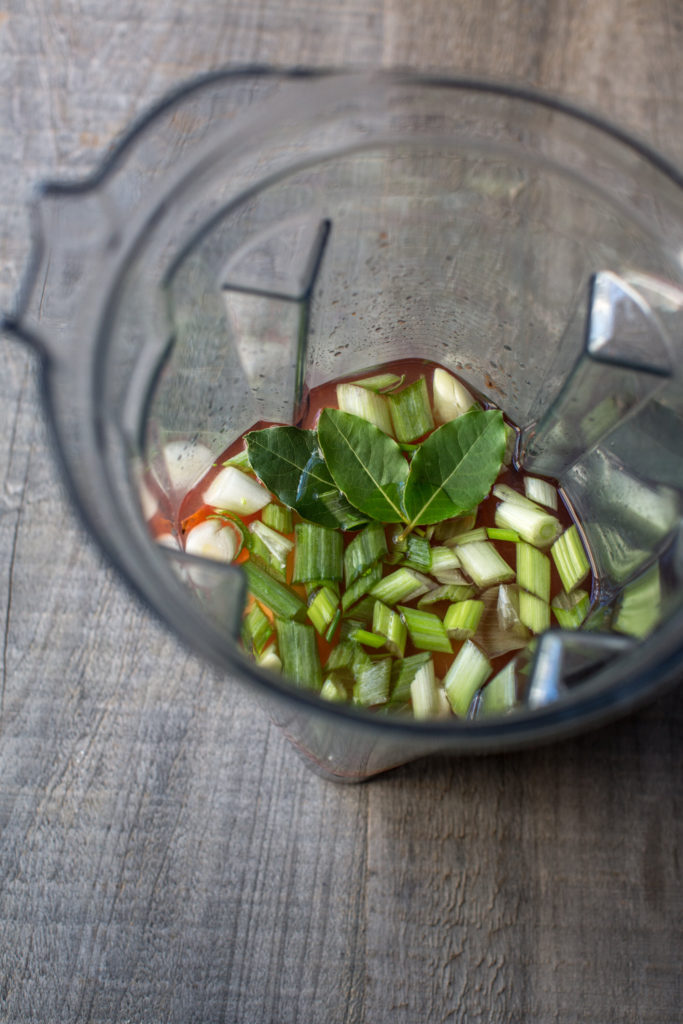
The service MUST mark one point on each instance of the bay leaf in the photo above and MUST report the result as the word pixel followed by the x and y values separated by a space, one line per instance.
pixel 288 461
pixel 455 467
pixel 366 464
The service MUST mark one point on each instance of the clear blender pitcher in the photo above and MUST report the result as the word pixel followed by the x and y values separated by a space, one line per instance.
pixel 260 233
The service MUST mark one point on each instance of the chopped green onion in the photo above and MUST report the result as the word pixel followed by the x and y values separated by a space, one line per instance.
pixel 450 592
pixel 364 636
pixel 403 671
pixel 483 564
pixel 272 593
pixel 366 548
pixel 402 585
pixel 332 628
pixel 278 545
pixel 510 444
pixel 507 493
pixel 462 618
pixel 269 659
pixel 391 626
pixel 500 695
pixel 323 608
pixel 381 382
pixel 449 529
pixel 257 629
pixel 318 554
pixel 424 693
pixel 240 460
pixel 362 611
pixel 494 533
pixel 443 560
pixel 531 523
pixel 333 689
pixel 234 490
pixel 299 653
pixel 500 629
pixel 426 629
pixel 540 491
pixel 468 671
pixel 570 559
pixel 533 612
pixel 342 656
pixel 259 552
pixel 364 403
pixel 411 413
pixel 211 539
pixel 361 586
pixel 639 606
pixel 571 609
pixel 278 517
pixel 234 520
pixel 373 679
pixel 451 398
pixel 471 536
pixel 418 553
pixel 533 570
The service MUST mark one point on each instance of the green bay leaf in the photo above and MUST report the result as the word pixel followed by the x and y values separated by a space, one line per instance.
pixel 455 468
pixel 289 463
pixel 366 465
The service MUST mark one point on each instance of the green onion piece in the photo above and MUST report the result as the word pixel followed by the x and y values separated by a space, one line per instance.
pixel 507 493
pixel 269 659
pixel 510 443
pixel 373 679
pixel 272 593
pixel 361 586
pixel 462 618
pixel 468 671
pixel 494 533
pixel 278 517
pixel 418 553
pixel 483 564
pixel 278 545
pixel 381 382
pixel 391 626
pixel 332 628
pixel 443 559
pixel 366 404
pixel 533 612
pixel 334 690
pixel 362 611
pixel 318 554
pixel 402 585
pixel 312 586
pixel 447 592
pixel 639 606
pixel 403 672
pixel 426 629
pixel 571 609
pixel 411 412
pixel 341 656
pixel 260 553
pixel 364 636
pixel 472 536
pixel 226 516
pixel 500 695
pixel 540 491
pixel 236 491
pixel 240 460
pixel 424 693
pixel 533 570
pixel 298 649
pixel 323 608
pixel 366 548
pixel 257 629
pixel 531 523
pixel 570 559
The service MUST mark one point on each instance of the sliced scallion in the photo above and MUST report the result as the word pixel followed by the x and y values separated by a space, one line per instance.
pixel 403 672
pixel 361 586
pixel 495 533
pixel 323 608
pixel 364 403
pixel 278 545
pixel 483 564
pixel 533 570
pixel 462 619
pixel 531 523
pixel 381 382
pixel 275 595
pixel 443 560
pixel 472 536
pixel 373 679
pixel 278 517
pixel 500 694
pixel 257 629
pixel 402 585
pixel 424 693
pixel 507 493
pixel 318 554
pixel 450 592
pixel 426 629
pixel 448 530
pixel 391 626
pixel 570 559
pixel 533 612
pixel 334 690
pixel 418 553
pixel 298 650
pixel 236 491
pixel 639 607
pixel 367 637
pixel 570 610
pixel 468 671
pixel 451 398
pixel 367 547
pixel 270 659
pixel 540 491
pixel 240 460
pixel 411 413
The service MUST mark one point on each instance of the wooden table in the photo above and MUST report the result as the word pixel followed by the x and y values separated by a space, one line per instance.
pixel 164 856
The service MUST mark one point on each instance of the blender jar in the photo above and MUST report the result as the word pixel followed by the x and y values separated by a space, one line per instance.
pixel 260 233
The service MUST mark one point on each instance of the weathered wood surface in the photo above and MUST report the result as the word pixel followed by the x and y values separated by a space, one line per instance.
pixel 164 856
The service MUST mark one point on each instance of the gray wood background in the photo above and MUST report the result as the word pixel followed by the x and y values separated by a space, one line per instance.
pixel 164 856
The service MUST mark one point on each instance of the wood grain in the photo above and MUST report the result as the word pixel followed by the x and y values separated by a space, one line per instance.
pixel 164 855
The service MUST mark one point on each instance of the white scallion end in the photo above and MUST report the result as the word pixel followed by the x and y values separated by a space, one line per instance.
pixel 451 398
pixel 540 491
pixel 366 404
pixel 237 492
pixel 424 693
pixel 212 539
